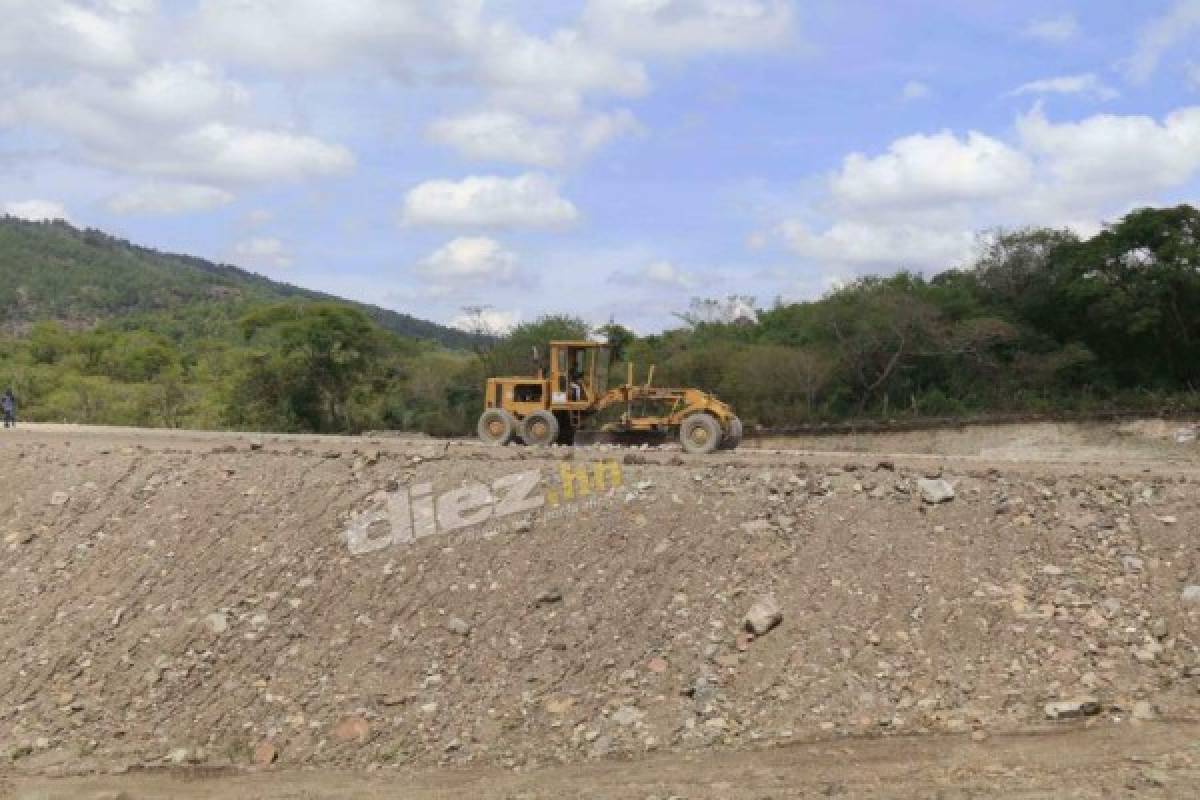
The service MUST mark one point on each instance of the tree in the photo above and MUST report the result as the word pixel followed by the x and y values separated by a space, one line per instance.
pixel 1017 268
pixel 513 354
pixel 619 339
pixel 310 361
pixel 777 385
pixel 878 328
pixel 1132 294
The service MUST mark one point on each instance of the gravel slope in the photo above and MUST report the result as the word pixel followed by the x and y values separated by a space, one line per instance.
pixel 192 599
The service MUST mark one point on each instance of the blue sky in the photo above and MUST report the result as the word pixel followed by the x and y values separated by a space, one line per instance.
pixel 610 158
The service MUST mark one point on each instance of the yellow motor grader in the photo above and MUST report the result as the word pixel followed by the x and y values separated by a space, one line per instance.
pixel 571 390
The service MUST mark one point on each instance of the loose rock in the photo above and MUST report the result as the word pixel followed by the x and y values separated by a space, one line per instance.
pixel 265 754
pixel 936 491
pixel 1073 709
pixel 763 616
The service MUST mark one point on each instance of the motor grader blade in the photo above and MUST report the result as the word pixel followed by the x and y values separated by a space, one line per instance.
pixel 619 438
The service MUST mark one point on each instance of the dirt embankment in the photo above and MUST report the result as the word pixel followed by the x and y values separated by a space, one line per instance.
pixel 194 599
pixel 1162 441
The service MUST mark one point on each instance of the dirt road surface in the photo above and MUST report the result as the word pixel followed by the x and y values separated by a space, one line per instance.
pixel 1155 760
pixel 1009 612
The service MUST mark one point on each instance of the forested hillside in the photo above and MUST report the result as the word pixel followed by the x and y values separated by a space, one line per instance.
pixel 54 271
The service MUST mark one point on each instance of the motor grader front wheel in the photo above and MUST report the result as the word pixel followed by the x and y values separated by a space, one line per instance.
pixel 700 433
pixel 496 427
pixel 539 429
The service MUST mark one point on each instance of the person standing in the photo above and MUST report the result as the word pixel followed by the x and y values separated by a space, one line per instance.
pixel 8 406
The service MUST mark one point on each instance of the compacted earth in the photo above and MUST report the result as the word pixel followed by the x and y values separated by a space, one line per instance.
pixel 1013 612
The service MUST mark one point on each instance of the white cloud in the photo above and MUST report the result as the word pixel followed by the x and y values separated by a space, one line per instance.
pixel 530 200
pixel 919 203
pixel 54 34
pixel 315 35
pixel 169 198
pixel 1085 84
pixel 490 320
pixel 225 152
pixel 111 113
pixel 668 273
pixel 511 137
pixel 424 42
pixel 869 244
pixel 1053 30
pixel 471 258
pixel 598 130
pixel 509 58
pixel 915 90
pixel 930 170
pixel 1161 35
pixel 181 92
pixel 418 42
pixel 678 27
pixel 263 252
pixel 501 136
pixel 177 120
pixel 657 273
pixel 1116 156
pixel 36 210
pixel 544 103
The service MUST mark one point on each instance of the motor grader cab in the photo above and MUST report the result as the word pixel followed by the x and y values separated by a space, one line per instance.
pixel 571 389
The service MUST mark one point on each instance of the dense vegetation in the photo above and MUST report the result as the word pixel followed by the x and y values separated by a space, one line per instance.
pixel 1043 321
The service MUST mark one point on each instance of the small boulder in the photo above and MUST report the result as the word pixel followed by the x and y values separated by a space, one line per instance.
pixel 935 491
pixel 265 754
pixel 180 755
pixel 763 616
pixel 1073 709
pixel 457 626
pixel 550 595
pixel 216 623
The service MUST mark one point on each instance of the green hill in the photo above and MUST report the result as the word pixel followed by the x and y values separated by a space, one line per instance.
pixel 54 271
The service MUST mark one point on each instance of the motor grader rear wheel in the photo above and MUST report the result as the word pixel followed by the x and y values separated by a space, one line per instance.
pixel 539 429
pixel 700 434
pixel 496 427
